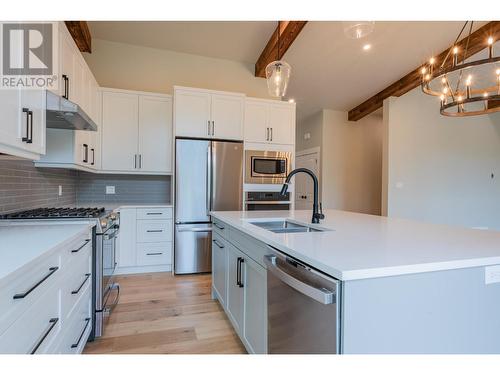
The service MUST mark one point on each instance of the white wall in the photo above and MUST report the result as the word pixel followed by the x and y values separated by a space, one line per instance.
pixel 131 67
pixel 437 168
pixel 351 159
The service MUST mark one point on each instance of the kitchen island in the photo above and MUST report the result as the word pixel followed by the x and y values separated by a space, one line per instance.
pixel 403 286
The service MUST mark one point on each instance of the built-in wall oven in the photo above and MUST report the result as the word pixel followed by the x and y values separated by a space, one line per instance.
pixel 266 200
pixel 267 167
pixel 107 292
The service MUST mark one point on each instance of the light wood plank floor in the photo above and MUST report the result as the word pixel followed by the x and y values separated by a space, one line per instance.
pixel 162 313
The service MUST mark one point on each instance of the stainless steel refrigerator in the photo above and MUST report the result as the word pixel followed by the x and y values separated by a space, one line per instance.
pixel 208 177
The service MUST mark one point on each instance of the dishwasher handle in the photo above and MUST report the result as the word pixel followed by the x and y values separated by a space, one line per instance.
pixel 323 296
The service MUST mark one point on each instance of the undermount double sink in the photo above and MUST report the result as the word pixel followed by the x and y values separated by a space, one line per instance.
pixel 285 226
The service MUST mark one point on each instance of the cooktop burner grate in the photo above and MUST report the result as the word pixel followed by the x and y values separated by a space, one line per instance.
pixel 56 213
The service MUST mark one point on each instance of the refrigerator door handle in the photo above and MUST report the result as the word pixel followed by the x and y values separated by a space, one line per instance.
pixel 209 179
pixel 202 229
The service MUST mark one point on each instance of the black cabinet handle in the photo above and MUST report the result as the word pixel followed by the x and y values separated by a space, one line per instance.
pixel 93 156
pixel 87 275
pixel 218 244
pixel 239 262
pixel 81 247
pixel 86 153
pixel 154 213
pixel 154 230
pixel 24 294
pixel 52 324
pixel 154 253
pixel 30 115
pixel 87 321
pixel 27 111
pixel 66 86
pixel 219 226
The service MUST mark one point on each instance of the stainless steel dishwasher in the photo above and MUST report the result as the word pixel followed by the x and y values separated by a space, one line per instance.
pixel 303 307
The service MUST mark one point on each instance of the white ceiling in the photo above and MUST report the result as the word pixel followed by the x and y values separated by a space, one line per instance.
pixel 237 41
pixel 328 69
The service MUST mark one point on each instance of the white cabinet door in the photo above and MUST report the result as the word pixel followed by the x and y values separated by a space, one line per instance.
pixel 155 134
pixel 256 128
pixel 255 326
pixel 14 120
pixel 219 268
pixel 82 148
pixel 235 295
pixel 281 121
pixel 192 113
pixel 35 101
pixel 227 116
pixel 68 70
pixel 127 238
pixel 119 131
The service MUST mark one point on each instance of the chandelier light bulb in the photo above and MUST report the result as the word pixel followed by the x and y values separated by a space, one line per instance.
pixel 485 94
pixel 469 80
pixel 497 72
pixel 427 77
pixel 432 60
pixel 490 40
pixel 445 90
pixel 443 81
pixel 455 50
pixel 424 70
pixel 459 98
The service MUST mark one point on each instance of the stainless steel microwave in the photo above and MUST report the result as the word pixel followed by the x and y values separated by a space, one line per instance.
pixel 267 167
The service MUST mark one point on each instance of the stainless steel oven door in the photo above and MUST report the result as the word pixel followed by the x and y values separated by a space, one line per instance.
pixel 267 167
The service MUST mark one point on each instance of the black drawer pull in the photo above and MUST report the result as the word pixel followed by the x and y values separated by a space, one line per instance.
pixel 81 247
pixel 154 230
pixel 218 244
pixel 154 213
pixel 52 324
pixel 154 253
pixel 87 321
pixel 22 295
pixel 219 226
pixel 87 275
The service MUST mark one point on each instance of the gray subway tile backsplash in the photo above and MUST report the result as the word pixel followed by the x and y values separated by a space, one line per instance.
pixel 22 186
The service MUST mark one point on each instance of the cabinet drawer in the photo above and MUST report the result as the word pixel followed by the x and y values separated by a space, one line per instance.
pixel 150 254
pixel 154 213
pixel 154 230
pixel 77 328
pixel 34 331
pixel 21 291
pixel 78 279
pixel 220 228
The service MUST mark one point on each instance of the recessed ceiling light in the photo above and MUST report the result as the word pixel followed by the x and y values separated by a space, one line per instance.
pixel 291 100
pixel 366 47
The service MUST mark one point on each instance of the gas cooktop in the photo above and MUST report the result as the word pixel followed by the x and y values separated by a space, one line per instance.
pixel 56 213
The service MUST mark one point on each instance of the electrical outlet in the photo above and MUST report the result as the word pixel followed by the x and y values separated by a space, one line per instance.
pixel 60 190
pixel 491 274
pixel 110 189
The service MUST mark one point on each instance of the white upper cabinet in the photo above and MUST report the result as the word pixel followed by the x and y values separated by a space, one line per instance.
pixel 120 116
pixel 136 132
pixel 227 116
pixel 256 126
pixel 192 113
pixel 155 133
pixel 208 114
pixel 269 121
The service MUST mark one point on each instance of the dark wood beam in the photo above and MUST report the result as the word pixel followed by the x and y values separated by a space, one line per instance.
pixel 80 32
pixel 477 42
pixel 288 31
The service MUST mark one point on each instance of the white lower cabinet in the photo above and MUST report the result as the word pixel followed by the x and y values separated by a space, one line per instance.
pixel 48 308
pixel 145 240
pixel 239 282
pixel 235 291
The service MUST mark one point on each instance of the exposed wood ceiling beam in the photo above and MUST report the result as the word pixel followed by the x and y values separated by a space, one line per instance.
pixel 80 32
pixel 477 42
pixel 288 31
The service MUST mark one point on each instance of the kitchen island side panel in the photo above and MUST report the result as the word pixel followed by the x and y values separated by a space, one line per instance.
pixel 435 312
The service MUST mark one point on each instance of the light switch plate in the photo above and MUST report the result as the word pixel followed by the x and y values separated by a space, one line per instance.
pixel 60 190
pixel 492 274
pixel 110 189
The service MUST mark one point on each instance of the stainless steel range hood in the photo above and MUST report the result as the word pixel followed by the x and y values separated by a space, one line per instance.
pixel 63 114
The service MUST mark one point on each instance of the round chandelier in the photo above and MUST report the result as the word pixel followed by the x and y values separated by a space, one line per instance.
pixel 278 73
pixel 465 87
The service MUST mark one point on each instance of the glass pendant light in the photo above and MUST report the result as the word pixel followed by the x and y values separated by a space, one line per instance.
pixel 358 29
pixel 278 73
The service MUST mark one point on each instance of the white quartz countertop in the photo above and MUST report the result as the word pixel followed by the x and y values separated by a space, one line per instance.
pixel 360 246
pixel 22 244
